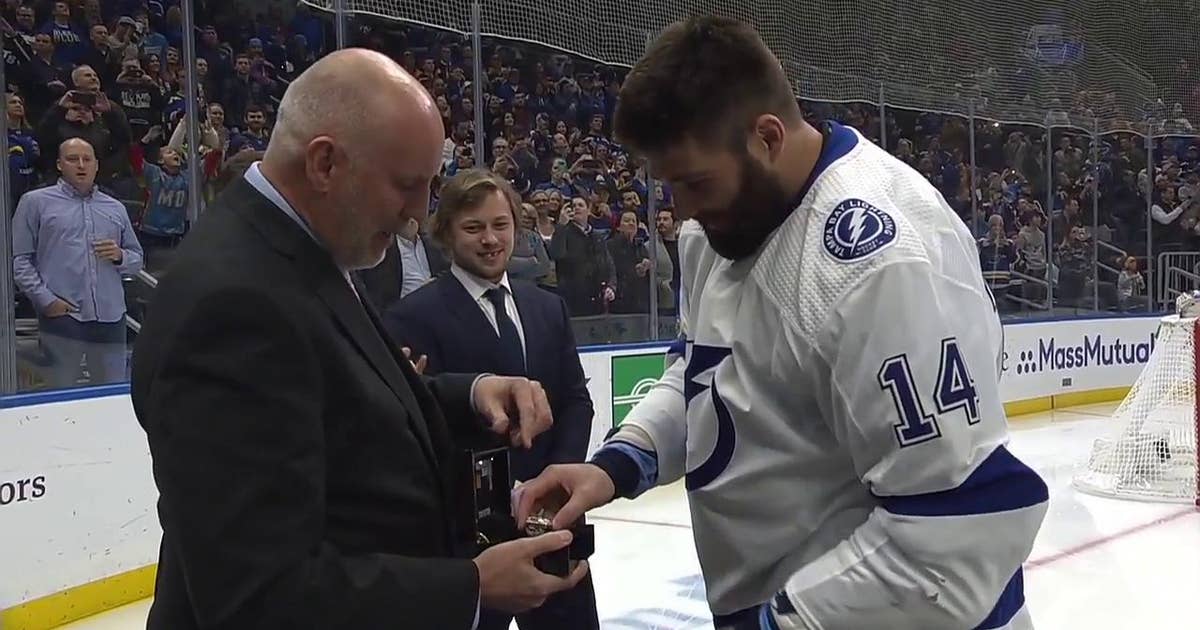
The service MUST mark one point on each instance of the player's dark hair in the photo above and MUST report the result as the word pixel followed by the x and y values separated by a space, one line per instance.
pixel 706 77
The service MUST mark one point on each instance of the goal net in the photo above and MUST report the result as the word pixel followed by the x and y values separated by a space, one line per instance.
pixel 1152 454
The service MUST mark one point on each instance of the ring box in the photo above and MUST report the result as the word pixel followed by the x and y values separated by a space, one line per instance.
pixel 485 518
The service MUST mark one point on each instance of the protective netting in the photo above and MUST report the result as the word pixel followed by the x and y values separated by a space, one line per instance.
pixel 1152 455
pixel 1089 63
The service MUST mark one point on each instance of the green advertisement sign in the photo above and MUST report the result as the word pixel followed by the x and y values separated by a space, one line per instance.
pixel 633 376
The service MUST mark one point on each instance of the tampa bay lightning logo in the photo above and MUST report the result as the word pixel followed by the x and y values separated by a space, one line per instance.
pixel 856 229
pixel 702 364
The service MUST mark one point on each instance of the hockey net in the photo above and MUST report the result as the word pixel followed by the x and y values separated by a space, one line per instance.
pixel 1152 456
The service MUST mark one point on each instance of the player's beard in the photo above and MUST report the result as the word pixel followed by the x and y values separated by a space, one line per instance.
pixel 760 206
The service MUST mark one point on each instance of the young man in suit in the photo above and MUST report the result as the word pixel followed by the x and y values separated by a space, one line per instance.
pixel 475 319
pixel 304 468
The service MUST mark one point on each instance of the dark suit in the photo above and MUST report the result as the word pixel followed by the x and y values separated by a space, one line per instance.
pixel 384 281
pixel 302 463
pixel 442 321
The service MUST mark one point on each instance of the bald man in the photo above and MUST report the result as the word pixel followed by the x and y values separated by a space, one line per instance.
pixel 72 244
pixel 305 470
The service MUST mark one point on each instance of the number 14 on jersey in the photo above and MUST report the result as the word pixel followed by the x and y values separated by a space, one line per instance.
pixel 953 390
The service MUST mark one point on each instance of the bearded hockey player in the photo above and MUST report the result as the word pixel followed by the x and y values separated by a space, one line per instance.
pixel 834 411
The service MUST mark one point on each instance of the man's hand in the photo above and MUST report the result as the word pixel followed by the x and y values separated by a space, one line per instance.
pixel 109 250
pixel 508 581
pixel 513 406
pixel 103 105
pixel 58 308
pixel 567 490
pixel 419 364
pixel 153 133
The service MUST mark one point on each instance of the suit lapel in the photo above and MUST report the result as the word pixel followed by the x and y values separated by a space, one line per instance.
pixel 434 257
pixel 531 320
pixel 415 388
pixel 353 315
pixel 393 266
pixel 355 320
pixel 471 317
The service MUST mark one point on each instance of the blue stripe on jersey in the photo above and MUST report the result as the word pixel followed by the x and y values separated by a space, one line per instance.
pixel 677 348
pixel 839 140
pixel 647 463
pixel 1012 598
pixel 1000 484
pixel 766 620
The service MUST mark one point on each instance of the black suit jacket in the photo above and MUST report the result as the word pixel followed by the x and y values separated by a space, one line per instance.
pixel 303 466
pixel 384 280
pixel 443 322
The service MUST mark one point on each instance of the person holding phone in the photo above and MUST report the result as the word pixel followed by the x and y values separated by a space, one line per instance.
pixel 586 275
pixel 139 96
pixel 88 91
pixel 75 283
pixel 84 114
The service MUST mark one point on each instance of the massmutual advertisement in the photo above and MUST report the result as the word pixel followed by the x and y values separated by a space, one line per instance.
pixel 1045 359
pixel 1040 359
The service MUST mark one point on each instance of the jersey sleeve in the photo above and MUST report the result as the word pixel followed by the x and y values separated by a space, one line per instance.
pixel 907 363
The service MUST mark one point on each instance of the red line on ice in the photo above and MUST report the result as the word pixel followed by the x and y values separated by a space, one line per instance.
pixel 1104 540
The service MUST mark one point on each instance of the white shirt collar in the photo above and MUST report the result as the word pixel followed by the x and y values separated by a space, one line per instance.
pixel 260 183
pixel 264 186
pixel 477 286
pixel 407 244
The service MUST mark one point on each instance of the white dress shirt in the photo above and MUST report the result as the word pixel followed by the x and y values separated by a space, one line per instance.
pixel 477 287
pixel 414 264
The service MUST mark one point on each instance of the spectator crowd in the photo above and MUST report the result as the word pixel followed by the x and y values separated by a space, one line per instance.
pixel 594 227
pixel 1045 216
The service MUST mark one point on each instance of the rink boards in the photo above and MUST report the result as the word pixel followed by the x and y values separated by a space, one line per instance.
pixel 79 533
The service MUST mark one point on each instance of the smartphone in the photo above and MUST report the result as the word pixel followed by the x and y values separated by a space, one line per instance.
pixel 83 98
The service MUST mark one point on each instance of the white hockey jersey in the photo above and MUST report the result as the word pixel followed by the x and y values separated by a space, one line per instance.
pixel 836 414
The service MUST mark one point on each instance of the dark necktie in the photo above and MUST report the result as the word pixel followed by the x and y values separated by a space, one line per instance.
pixel 511 354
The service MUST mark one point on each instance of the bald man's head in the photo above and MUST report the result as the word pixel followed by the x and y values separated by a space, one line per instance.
pixel 77 163
pixel 356 144
pixel 354 95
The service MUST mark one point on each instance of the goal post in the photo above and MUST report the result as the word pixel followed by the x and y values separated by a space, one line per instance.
pixel 1151 455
